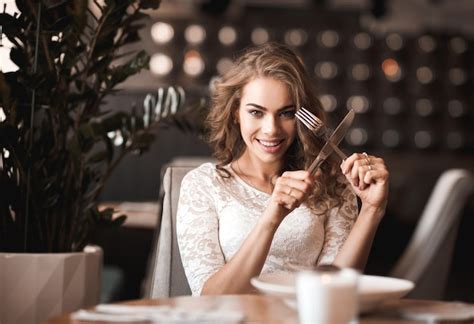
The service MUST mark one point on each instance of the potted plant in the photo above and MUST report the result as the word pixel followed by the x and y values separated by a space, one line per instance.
pixel 57 145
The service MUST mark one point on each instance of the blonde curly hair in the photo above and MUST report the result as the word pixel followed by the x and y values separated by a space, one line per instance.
pixel 279 62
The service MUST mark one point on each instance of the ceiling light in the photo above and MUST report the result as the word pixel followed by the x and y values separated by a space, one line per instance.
pixel 394 41
pixel 296 37
pixel 193 64
pixel 162 33
pixel 360 72
pixel 456 108
pixel 362 41
pixel 227 35
pixel 457 76
pixel 195 34
pixel 360 104
pixel 357 136
pixel 160 64
pixel 392 70
pixel 424 107
pixel 329 102
pixel 424 75
pixel 329 38
pixel 427 43
pixel 326 70
pixel 259 36
pixel 458 45
pixel 423 139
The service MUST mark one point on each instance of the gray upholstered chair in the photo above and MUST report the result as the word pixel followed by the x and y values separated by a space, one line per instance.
pixel 165 275
pixel 427 259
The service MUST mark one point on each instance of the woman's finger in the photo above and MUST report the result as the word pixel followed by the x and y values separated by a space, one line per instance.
pixel 288 201
pixel 379 173
pixel 298 175
pixel 347 164
pixel 301 185
pixel 284 190
pixel 355 174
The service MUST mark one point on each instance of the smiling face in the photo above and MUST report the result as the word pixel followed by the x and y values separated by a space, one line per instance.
pixel 267 120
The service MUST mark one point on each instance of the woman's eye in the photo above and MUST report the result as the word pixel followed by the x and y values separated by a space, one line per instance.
pixel 255 113
pixel 288 114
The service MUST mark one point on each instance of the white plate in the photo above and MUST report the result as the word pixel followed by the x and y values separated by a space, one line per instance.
pixel 372 289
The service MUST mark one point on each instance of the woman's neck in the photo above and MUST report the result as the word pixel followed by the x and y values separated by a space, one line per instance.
pixel 259 175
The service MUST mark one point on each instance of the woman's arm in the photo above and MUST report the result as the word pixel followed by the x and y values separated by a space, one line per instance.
pixel 291 189
pixel 355 250
pixel 368 177
pixel 197 228
pixel 235 275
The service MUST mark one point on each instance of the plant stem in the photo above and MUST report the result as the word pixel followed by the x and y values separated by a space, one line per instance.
pixel 30 139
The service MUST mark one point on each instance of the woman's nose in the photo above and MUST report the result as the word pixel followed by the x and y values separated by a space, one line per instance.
pixel 270 125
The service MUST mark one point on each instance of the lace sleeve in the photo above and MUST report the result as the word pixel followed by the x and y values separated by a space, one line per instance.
pixel 197 230
pixel 338 225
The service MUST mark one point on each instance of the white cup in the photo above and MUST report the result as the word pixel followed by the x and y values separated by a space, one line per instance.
pixel 327 297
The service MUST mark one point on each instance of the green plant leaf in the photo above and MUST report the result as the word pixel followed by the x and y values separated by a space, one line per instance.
pixel 81 59
pixel 120 220
pixel 133 66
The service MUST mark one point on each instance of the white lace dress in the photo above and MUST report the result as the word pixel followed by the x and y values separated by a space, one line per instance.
pixel 215 215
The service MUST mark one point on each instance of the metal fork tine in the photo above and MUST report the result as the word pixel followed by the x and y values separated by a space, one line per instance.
pixel 312 116
pixel 308 118
pixel 315 124
pixel 303 119
pixel 302 116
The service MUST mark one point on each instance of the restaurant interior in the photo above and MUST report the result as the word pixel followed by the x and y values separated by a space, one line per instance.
pixel 405 67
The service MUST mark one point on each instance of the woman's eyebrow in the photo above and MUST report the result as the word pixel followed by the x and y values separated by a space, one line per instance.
pixel 263 108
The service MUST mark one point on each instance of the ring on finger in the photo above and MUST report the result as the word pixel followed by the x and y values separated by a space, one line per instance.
pixel 368 160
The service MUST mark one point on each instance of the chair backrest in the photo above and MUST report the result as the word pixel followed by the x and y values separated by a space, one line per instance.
pixel 427 259
pixel 165 275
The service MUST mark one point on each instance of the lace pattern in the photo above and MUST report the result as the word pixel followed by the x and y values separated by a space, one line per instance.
pixel 215 215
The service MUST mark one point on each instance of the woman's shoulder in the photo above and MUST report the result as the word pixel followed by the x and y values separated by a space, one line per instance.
pixel 204 171
pixel 205 168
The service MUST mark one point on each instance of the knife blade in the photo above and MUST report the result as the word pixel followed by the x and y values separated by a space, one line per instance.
pixel 333 141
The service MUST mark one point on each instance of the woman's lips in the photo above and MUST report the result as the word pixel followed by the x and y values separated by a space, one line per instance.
pixel 270 146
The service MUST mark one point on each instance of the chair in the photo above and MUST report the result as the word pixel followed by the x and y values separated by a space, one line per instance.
pixel 427 259
pixel 166 277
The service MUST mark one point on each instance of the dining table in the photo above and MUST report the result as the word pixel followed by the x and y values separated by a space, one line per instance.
pixel 273 309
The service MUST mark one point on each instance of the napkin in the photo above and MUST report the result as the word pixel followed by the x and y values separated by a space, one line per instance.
pixel 432 312
pixel 156 314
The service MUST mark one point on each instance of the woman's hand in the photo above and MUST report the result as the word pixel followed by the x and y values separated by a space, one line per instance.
pixel 368 176
pixel 290 190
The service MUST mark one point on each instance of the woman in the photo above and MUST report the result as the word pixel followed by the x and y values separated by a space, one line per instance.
pixel 257 210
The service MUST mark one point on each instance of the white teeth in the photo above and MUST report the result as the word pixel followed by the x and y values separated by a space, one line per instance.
pixel 270 144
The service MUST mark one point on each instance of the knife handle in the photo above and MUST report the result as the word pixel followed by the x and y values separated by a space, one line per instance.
pixel 338 151
pixel 315 165
pixel 318 161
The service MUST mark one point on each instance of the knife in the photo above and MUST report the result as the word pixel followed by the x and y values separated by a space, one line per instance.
pixel 333 141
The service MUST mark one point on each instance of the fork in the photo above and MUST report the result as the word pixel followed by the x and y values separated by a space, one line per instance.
pixel 316 126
